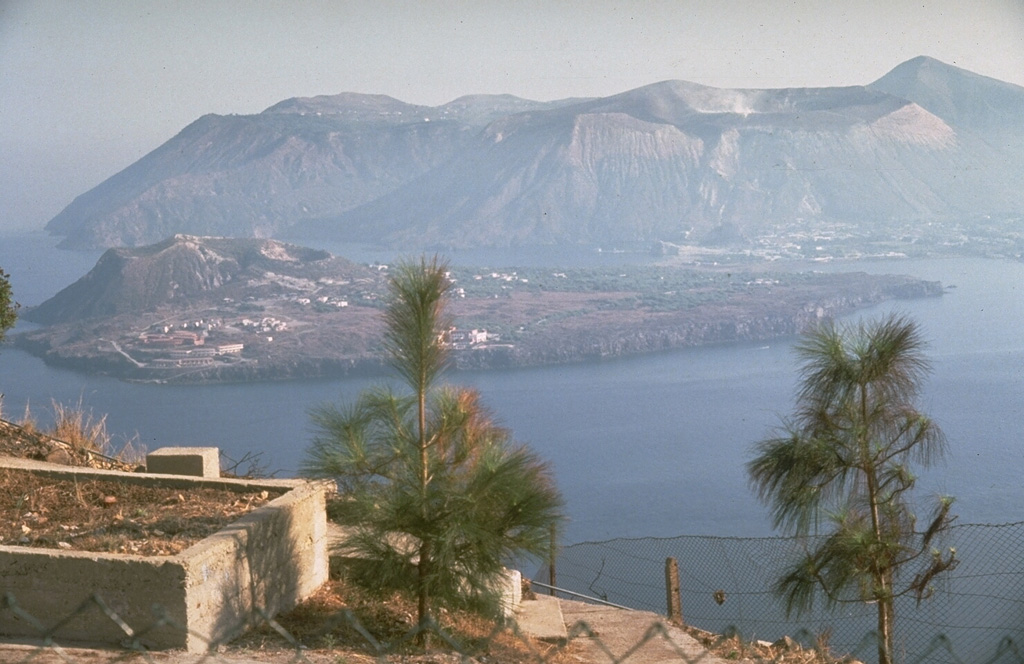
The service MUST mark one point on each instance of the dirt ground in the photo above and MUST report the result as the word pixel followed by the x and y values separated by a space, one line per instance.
pixel 114 517
pixel 103 515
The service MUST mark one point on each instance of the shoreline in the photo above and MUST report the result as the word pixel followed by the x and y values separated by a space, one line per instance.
pixel 674 331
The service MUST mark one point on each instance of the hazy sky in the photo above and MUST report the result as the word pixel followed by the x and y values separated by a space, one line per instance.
pixel 87 88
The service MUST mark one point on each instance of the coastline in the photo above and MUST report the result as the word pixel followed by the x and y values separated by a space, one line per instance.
pixel 575 340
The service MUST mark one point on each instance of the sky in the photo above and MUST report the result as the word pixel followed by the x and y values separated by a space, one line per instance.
pixel 87 88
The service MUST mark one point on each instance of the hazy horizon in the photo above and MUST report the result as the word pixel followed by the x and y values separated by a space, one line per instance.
pixel 87 89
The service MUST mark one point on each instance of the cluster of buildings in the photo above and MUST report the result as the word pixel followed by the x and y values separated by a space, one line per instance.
pixel 170 339
pixel 186 347
pixel 464 339
pixel 266 324
pixel 323 299
pixel 502 276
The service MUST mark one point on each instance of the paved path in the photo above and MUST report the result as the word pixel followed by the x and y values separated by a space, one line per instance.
pixel 617 636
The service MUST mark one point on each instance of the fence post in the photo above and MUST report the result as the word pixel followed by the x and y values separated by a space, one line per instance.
pixel 672 595
pixel 552 577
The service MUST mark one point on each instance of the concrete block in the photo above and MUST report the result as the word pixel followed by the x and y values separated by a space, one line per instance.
pixel 194 461
pixel 511 592
pixel 269 559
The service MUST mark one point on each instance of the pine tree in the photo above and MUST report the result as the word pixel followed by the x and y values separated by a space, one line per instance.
pixel 844 459
pixel 437 497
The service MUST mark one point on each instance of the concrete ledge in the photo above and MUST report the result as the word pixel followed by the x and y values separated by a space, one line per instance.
pixel 194 461
pixel 47 469
pixel 269 559
pixel 541 618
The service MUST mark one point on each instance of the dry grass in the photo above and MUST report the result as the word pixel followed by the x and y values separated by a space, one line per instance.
pixel 76 426
pixel 79 428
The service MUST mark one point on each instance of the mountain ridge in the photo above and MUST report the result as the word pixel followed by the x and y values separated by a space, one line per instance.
pixel 672 161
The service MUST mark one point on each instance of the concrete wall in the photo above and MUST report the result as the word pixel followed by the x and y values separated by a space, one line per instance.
pixel 269 559
pixel 56 587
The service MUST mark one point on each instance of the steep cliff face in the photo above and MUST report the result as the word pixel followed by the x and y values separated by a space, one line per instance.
pixel 678 162
pixel 673 161
pixel 182 269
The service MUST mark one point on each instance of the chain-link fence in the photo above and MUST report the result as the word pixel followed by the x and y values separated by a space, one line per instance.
pixel 352 642
pixel 504 644
pixel 975 616
pixel 976 610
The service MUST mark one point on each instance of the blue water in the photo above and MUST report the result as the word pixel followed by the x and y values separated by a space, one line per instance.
pixel 645 446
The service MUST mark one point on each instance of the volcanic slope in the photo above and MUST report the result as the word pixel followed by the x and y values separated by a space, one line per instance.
pixel 185 270
pixel 673 161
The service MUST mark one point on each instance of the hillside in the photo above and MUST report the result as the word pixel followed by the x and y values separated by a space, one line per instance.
pixel 258 175
pixel 673 162
pixel 183 270
pixel 195 309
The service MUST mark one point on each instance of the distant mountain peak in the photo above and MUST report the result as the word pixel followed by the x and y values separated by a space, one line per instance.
pixel 345 102
pixel 956 95
pixel 924 66
pixel 477 99
pixel 922 71
pixel 673 161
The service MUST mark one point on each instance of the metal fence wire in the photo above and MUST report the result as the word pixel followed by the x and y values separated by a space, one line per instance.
pixel 975 615
pixel 44 647
pixel 447 650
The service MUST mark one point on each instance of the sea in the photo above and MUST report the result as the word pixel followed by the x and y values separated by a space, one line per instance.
pixel 646 446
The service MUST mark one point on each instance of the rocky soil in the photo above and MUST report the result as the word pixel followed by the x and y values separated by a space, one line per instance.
pixel 114 517
pixel 104 515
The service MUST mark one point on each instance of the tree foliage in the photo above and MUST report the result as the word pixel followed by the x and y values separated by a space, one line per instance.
pixel 844 460
pixel 8 307
pixel 437 496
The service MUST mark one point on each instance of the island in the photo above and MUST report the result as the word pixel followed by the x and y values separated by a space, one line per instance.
pixel 200 309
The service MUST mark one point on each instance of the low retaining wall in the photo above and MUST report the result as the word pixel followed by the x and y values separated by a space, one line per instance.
pixel 269 559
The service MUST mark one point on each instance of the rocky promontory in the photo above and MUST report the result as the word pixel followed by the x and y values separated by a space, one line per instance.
pixel 196 309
